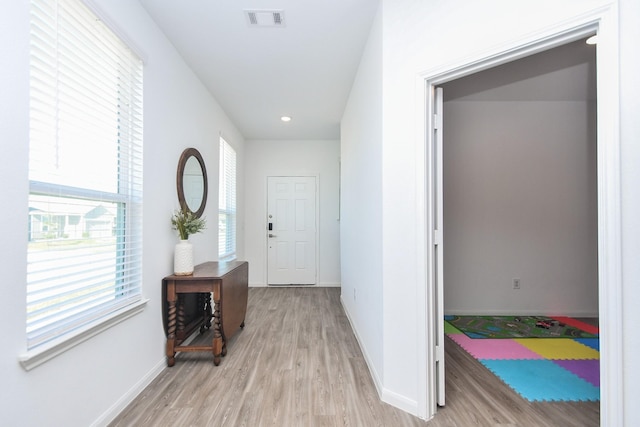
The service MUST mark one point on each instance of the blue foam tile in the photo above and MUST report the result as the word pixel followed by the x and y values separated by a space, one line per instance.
pixel 474 335
pixel 594 343
pixel 542 380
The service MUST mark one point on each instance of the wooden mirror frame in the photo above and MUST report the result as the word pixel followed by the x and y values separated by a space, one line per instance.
pixel 186 155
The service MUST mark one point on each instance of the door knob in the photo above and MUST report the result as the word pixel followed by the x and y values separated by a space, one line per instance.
pixel 272 235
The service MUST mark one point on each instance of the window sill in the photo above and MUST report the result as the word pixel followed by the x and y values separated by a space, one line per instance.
pixel 45 352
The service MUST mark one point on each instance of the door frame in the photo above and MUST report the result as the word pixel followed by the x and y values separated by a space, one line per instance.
pixel 317 219
pixel 604 22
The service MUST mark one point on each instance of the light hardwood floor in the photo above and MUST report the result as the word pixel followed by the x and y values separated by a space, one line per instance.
pixel 297 363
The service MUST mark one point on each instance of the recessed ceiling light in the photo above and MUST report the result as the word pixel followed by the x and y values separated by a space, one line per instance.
pixel 285 118
pixel 592 39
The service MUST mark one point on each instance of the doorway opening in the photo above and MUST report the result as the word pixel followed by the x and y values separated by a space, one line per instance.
pixel 608 199
pixel 520 198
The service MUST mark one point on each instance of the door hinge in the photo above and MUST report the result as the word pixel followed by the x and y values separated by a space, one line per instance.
pixel 437 121
pixel 437 237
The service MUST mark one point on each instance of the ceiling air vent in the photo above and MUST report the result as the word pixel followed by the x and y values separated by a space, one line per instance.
pixel 265 18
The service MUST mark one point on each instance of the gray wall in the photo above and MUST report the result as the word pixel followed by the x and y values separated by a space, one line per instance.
pixel 520 201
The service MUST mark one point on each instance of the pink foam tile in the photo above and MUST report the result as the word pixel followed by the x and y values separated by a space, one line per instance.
pixel 502 349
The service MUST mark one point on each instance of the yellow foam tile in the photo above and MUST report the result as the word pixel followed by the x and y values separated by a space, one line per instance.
pixel 559 348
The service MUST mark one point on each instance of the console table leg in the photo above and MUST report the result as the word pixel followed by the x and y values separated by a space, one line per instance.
pixel 217 334
pixel 181 313
pixel 207 310
pixel 171 336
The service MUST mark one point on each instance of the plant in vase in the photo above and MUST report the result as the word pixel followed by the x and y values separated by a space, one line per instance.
pixel 186 224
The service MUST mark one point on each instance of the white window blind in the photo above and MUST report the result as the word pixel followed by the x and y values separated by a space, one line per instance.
pixel 85 172
pixel 227 202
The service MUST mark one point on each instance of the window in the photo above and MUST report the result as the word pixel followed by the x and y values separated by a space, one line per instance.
pixel 85 172
pixel 227 202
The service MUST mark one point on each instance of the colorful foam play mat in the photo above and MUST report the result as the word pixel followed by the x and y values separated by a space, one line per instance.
pixel 540 369
pixel 522 327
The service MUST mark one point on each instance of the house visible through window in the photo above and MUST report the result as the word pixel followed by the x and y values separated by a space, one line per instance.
pixel 227 202
pixel 85 172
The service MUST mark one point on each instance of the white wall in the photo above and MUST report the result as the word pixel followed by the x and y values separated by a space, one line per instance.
pixel 520 201
pixel 630 176
pixel 423 37
pixel 272 158
pixel 418 36
pixel 90 383
pixel 361 204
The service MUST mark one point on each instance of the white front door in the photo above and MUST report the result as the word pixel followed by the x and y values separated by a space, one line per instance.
pixel 291 230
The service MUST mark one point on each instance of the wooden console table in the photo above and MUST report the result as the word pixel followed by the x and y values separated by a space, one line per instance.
pixel 187 306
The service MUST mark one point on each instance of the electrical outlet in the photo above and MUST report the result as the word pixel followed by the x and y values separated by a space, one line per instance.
pixel 516 283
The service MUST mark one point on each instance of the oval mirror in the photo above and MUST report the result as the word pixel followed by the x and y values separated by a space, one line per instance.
pixel 192 182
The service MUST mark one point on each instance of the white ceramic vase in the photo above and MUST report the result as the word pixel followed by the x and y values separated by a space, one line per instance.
pixel 183 259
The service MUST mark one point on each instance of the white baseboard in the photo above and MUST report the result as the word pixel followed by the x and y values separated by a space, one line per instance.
pixel 319 285
pixel 399 401
pixel 124 401
pixel 330 285
pixel 465 312
pixel 386 395
pixel 374 374
pixel 257 285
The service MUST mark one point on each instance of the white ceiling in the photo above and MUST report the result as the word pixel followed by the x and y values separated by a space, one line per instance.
pixel 258 74
pixel 305 68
